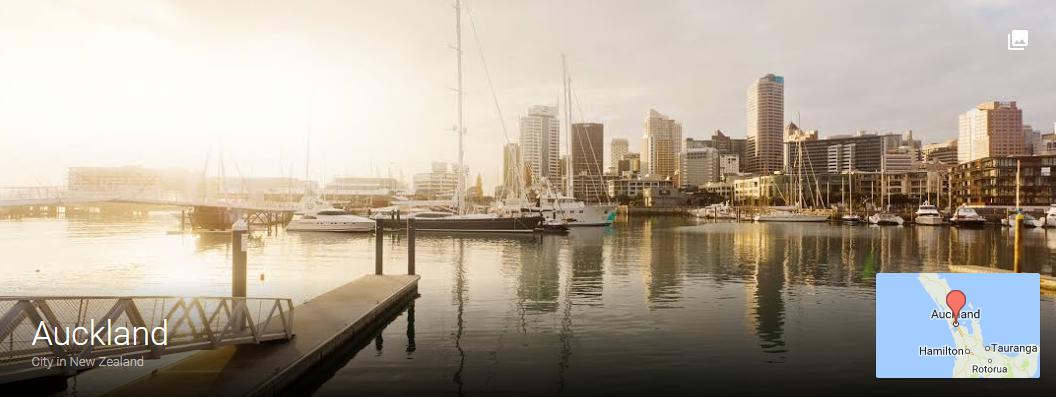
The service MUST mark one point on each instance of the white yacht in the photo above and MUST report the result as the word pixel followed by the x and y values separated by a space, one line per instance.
pixel 966 216
pixel 928 214
pixel 851 218
pixel 1050 216
pixel 575 212
pixel 330 220
pixel 715 211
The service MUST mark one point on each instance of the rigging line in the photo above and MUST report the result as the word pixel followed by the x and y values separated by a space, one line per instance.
pixel 595 181
pixel 494 97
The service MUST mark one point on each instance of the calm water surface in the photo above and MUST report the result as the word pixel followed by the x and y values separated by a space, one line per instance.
pixel 650 305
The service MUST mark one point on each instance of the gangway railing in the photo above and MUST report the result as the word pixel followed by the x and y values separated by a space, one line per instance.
pixel 74 326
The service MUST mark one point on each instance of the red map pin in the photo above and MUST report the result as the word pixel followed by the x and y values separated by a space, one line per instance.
pixel 955 300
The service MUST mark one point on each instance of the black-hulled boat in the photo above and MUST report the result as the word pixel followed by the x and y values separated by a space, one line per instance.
pixel 436 221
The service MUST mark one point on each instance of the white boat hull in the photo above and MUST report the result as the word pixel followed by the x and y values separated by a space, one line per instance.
pixel 791 218
pixel 929 220
pixel 299 226
pixel 588 215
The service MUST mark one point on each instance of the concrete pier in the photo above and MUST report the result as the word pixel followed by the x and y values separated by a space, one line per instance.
pixel 322 326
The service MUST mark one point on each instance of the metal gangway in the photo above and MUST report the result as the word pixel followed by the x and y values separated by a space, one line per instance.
pixel 190 323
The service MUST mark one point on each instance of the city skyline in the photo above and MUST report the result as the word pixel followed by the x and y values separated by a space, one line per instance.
pixel 163 84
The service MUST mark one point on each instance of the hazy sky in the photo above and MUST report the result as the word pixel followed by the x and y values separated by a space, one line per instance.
pixel 164 83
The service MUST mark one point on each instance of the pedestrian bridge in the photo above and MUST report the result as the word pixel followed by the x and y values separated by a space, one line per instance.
pixel 187 323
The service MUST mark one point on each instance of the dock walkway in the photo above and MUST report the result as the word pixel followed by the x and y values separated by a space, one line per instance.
pixel 322 325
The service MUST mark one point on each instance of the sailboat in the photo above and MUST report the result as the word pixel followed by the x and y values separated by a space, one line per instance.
pixel 566 207
pixel 884 217
pixel 1028 219
pixel 851 217
pixel 797 213
pixel 460 221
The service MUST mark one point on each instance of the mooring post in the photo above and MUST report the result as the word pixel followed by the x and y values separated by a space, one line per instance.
pixel 379 232
pixel 183 219
pixel 239 245
pixel 410 246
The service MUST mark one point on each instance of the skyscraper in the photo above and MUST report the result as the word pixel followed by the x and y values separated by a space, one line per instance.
pixel 766 118
pixel 991 129
pixel 588 146
pixel 661 145
pixel 617 149
pixel 540 145
pixel 511 169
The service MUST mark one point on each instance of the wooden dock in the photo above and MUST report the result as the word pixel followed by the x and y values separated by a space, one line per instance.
pixel 322 325
pixel 1048 283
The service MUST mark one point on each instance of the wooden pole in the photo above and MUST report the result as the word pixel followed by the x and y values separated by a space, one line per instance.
pixel 239 245
pixel 410 246
pixel 379 233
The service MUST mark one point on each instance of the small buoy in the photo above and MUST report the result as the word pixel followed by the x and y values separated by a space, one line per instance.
pixel 262 277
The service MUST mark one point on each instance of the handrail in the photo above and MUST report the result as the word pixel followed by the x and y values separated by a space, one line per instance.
pixel 189 323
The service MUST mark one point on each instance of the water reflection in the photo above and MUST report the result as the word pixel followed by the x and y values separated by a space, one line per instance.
pixel 652 301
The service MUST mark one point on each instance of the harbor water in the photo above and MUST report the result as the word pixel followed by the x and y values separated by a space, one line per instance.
pixel 650 305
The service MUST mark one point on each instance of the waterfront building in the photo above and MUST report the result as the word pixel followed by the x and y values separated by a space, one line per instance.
pixel 617 149
pixel 945 152
pixel 588 157
pixel 630 165
pixel 1046 145
pixel 131 182
pixel 762 190
pixel 729 164
pixel 360 191
pixel 699 166
pixel 540 144
pixel 661 145
pixel 662 197
pixel 900 159
pixel 632 187
pixel 991 129
pixel 842 153
pixel 512 177
pixel 991 181
pixel 439 183
pixel 766 112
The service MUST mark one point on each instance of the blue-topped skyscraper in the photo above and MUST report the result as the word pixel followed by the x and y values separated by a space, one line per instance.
pixel 766 117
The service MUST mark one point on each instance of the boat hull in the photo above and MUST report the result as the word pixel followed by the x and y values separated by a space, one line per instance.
pixel 356 227
pixel 929 220
pixel 968 223
pixel 525 224
pixel 791 218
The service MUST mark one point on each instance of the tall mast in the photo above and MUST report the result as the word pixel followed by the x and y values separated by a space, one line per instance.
pixel 1017 184
pixel 567 83
pixel 460 199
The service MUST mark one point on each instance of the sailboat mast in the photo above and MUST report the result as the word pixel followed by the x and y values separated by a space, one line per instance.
pixel 1018 162
pixel 565 83
pixel 461 190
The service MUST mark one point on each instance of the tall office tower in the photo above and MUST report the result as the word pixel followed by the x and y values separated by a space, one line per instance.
pixel 588 146
pixel 766 116
pixel 511 170
pixel 661 145
pixel 540 144
pixel 991 129
pixel 617 149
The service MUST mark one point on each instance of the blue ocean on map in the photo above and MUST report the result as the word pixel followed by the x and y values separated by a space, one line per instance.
pixel 1010 314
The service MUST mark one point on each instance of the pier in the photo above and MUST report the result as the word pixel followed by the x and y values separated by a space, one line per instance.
pixel 246 345
pixel 323 325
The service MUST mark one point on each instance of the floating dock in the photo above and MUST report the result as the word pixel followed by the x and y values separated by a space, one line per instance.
pixel 1048 283
pixel 322 326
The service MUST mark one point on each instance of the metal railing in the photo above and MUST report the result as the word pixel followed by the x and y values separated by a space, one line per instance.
pixel 189 323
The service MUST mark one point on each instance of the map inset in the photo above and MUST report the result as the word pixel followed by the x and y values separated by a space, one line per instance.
pixel 943 325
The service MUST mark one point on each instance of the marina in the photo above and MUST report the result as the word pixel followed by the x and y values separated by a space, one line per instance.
pixel 541 307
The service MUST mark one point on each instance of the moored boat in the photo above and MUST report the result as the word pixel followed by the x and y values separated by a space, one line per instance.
pixel 330 220
pixel 966 217
pixel 928 214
